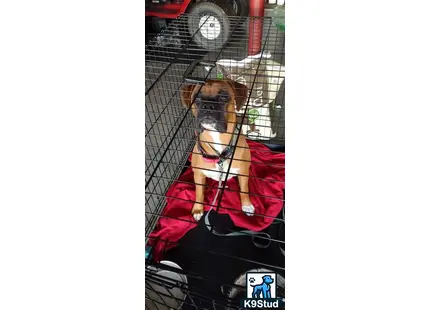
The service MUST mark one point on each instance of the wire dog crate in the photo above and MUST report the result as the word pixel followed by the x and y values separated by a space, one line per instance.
pixel 202 265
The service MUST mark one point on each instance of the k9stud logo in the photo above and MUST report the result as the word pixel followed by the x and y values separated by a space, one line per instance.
pixel 261 291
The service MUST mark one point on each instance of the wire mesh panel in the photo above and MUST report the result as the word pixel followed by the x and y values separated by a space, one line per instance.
pixel 214 139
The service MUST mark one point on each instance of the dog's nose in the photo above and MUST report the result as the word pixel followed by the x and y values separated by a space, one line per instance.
pixel 208 108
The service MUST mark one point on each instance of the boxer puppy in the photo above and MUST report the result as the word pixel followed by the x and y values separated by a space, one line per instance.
pixel 214 106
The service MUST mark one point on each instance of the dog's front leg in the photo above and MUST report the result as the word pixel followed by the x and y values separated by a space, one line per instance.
pixel 247 206
pixel 200 181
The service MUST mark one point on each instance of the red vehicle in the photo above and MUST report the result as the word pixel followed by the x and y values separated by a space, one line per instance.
pixel 209 23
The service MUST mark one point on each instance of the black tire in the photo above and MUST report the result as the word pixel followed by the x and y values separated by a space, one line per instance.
pixel 213 35
pixel 241 8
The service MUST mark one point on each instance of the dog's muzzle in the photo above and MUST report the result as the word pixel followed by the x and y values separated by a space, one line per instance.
pixel 209 123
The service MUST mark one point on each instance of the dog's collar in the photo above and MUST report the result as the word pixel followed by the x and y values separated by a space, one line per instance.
pixel 219 158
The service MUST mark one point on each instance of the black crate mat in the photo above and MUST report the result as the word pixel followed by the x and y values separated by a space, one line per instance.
pixel 195 255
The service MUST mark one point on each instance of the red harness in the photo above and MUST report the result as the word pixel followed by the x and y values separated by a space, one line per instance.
pixel 210 160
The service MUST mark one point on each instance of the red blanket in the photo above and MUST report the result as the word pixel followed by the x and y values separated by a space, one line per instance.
pixel 266 181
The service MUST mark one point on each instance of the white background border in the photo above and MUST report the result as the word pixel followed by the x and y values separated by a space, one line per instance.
pixel 72 155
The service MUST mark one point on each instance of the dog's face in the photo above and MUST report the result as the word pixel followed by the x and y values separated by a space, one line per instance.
pixel 214 103
pixel 267 279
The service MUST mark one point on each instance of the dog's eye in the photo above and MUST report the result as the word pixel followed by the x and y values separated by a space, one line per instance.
pixel 223 98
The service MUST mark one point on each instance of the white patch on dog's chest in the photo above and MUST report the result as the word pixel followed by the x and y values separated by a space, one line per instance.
pixel 217 144
pixel 216 172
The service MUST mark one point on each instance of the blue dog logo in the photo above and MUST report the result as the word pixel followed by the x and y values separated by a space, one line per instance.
pixel 262 290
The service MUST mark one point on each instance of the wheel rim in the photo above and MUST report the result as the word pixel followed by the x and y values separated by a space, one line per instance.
pixel 210 27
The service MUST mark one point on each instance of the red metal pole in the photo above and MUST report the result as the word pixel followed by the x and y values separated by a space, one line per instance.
pixel 255 33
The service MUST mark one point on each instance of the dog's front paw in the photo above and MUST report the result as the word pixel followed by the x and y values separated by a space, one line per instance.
pixel 197 211
pixel 197 216
pixel 249 210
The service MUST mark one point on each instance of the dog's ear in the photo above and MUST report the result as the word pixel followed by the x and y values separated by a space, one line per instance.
pixel 186 92
pixel 240 93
